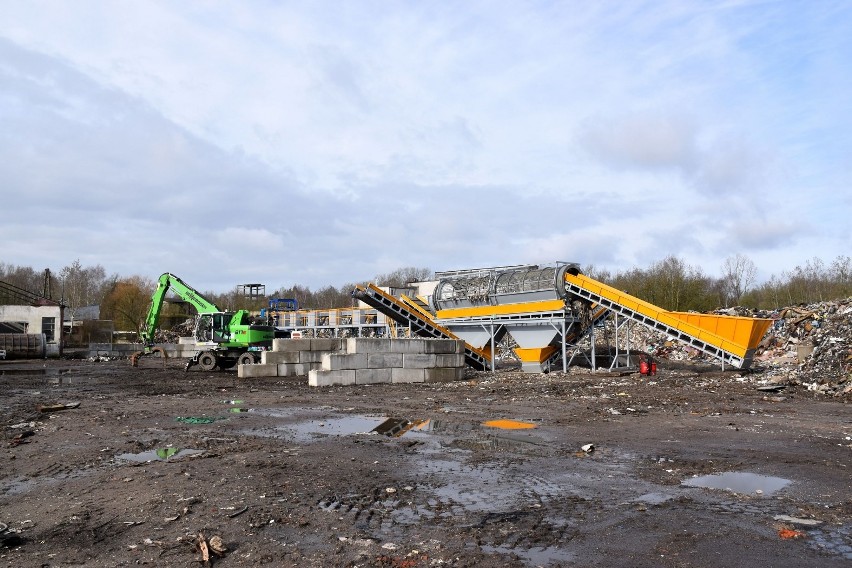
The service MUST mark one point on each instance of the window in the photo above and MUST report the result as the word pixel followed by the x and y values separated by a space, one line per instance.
pixel 48 328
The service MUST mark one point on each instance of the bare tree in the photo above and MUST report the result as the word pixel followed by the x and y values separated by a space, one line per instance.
pixel 738 276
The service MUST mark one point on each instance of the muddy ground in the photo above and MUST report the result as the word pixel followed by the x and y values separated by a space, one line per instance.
pixel 297 479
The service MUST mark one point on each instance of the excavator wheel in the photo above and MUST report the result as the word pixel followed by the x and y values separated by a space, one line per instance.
pixel 207 361
pixel 246 359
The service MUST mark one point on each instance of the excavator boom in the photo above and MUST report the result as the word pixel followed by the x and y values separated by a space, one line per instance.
pixel 186 292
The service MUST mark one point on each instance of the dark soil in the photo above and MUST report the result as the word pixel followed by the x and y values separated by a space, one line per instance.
pixel 297 479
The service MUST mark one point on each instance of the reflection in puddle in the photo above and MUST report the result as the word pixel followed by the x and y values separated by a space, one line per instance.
pixel 160 454
pixel 509 424
pixel 396 427
pixel 739 482
pixel 34 372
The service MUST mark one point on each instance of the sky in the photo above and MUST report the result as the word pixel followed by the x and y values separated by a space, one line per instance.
pixel 326 142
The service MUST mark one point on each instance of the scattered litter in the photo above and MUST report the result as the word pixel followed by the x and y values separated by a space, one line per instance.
pixel 238 513
pixel 790 533
pixel 196 419
pixel 588 448
pixel 57 407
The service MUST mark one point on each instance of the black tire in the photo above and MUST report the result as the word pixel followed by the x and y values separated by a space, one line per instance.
pixel 207 361
pixel 246 359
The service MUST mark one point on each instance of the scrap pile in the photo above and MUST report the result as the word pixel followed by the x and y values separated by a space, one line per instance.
pixel 808 345
pixel 185 329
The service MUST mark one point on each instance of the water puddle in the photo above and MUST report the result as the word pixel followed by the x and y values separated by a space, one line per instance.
pixel 337 426
pixel 396 427
pixel 34 372
pixel 739 482
pixel 546 556
pixel 159 454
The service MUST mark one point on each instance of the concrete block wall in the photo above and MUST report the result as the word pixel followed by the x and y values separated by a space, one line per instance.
pixel 369 360
pixel 292 357
pixel 361 361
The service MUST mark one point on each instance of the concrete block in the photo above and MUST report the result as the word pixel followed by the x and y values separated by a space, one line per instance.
pixel 449 360
pixel 279 357
pixel 340 361
pixel 409 345
pixel 443 374
pixel 311 356
pixel 296 369
pixel 249 371
pixel 419 361
pixel 319 378
pixel 372 376
pixel 408 375
pixel 291 344
pixel 327 344
pixel 384 360
pixel 383 345
pixel 444 346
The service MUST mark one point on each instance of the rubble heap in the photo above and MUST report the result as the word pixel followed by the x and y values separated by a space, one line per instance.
pixel 185 329
pixel 807 344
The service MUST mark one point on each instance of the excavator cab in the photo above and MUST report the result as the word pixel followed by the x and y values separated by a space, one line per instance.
pixel 213 327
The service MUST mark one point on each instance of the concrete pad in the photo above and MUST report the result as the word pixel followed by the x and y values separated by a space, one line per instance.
pixel 279 357
pixel 340 361
pixel 384 360
pixel 291 344
pixel 408 375
pixel 419 361
pixel 450 360
pixel 443 374
pixel 248 371
pixel 444 346
pixel 319 378
pixel 372 376
pixel 327 344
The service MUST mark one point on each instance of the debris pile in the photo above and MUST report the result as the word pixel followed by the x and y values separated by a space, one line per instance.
pixel 809 345
pixel 173 335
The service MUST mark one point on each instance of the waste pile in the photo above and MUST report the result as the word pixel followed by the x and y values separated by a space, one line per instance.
pixel 809 345
pixel 185 329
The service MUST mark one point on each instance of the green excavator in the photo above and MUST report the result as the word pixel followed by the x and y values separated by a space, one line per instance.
pixel 222 339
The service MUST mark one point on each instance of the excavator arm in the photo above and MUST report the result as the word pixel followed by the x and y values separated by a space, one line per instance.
pixel 186 292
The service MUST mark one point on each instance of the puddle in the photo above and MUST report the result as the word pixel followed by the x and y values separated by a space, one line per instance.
pixel 160 454
pixel 338 426
pixel 739 482
pixel 396 427
pixel 34 372
pixel 509 424
pixel 546 556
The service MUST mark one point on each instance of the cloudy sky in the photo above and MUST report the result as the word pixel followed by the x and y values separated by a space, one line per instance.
pixel 325 142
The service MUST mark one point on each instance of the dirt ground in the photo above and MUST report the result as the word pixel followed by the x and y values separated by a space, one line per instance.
pixel 288 475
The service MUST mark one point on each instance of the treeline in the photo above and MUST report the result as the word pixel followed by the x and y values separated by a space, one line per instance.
pixel 670 283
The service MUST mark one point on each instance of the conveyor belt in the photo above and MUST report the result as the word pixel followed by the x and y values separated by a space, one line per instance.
pixel 419 321
pixel 730 339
